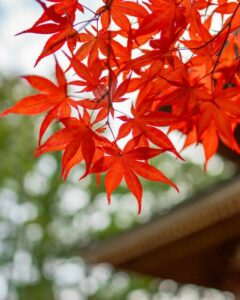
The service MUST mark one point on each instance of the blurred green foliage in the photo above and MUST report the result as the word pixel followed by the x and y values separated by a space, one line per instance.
pixel 44 222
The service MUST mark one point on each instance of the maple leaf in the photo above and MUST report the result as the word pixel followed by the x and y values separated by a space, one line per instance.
pixel 102 41
pixel 188 91
pixel 61 8
pixel 77 140
pixel 52 99
pixel 90 75
pixel 62 16
pixel 117 10
pixel 166 17
pixel 128 164
pixel 229 64
pixel 145 125
pixel 68 7
pixel 209 140
pixel 106 96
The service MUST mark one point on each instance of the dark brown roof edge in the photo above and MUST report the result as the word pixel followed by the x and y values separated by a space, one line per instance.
pixel 188 219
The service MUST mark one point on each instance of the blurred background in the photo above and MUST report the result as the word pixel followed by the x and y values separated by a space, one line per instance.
pixel 45 222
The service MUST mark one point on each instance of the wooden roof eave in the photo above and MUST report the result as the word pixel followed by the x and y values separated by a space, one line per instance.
pixel 210 212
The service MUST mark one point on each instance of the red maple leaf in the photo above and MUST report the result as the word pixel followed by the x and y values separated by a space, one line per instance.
pixel 117 10
pixel 61 17
pixel 127 164
pixel 52 99
pixel 78 141
pixel 144 125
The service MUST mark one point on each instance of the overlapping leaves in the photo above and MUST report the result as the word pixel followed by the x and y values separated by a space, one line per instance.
pixel 170 61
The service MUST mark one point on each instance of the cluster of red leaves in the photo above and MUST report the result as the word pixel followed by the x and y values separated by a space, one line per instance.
pixel 177 62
